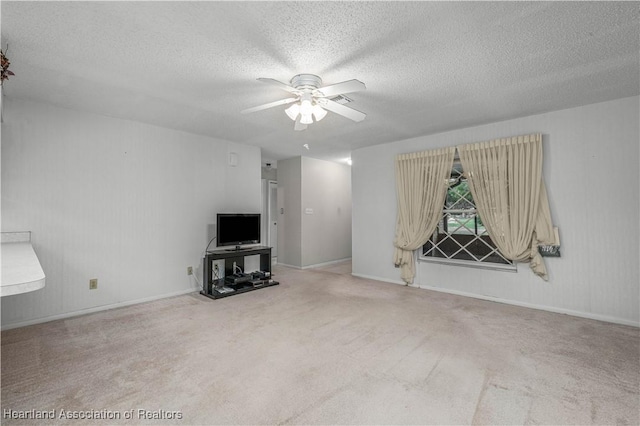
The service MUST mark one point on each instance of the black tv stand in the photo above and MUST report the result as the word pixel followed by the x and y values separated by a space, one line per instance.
pixel 216 286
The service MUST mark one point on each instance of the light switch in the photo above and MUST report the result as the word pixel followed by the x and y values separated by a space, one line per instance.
pixel 233 159
pixel 308 210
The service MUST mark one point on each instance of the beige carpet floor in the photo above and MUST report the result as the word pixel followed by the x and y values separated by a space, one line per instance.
pixel 322 348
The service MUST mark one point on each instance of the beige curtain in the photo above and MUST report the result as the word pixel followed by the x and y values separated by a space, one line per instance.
pixel 421 182
pixel 505 179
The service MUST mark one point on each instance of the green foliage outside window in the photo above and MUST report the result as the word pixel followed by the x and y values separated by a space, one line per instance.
pixel 461 235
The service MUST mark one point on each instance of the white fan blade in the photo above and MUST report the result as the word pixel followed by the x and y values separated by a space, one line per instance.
pixel 269 105
pixel 345 111
pixel 340 88
pixel 299 126
pixel 279 84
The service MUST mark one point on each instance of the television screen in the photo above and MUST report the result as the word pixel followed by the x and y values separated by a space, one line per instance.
pixel 236 229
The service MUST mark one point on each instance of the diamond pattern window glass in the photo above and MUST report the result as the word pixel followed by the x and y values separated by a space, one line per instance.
pixel 461 236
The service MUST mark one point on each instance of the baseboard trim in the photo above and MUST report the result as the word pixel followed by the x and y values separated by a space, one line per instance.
pixel 288 266
pixel 386 280
pixel 579 314
pixel 321 265
pixel 95 309
pixel 587 315
pixel 317 265
pixel 553 309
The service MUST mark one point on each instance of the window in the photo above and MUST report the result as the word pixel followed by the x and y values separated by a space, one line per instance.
pixel 461 237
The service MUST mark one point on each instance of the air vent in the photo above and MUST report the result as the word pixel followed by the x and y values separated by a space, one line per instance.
pixel 342 99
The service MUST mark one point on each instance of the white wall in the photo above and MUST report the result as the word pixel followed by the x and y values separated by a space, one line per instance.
pixel 124 202
pixel 290 221
pixel 316 225
pixel 591 172
pixel 326 191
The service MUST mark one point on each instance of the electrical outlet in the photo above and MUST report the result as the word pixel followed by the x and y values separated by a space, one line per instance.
pixel 93 284
pixel 189 270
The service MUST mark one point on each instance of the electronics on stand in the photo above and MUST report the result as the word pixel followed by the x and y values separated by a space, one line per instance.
pixel 254 278
pixel 237 229
pixel 236 279
pixel 260 278
pixel 224 273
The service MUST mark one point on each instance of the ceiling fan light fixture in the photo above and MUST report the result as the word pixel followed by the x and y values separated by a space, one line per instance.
pixel 306 108
pixel 293 111
pixel 305 105
pixel 318 112
pixel 306 118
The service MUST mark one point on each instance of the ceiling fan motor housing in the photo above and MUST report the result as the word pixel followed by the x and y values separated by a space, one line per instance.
pixel 306 81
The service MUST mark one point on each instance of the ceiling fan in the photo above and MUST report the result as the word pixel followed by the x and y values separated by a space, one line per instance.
pixel 312 100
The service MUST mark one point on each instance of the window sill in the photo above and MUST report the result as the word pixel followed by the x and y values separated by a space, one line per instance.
pixel 470 264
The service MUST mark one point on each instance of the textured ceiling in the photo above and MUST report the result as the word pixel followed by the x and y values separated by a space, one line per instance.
pixel 429 67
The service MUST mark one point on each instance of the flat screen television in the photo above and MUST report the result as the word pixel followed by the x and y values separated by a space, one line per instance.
pixel 237 229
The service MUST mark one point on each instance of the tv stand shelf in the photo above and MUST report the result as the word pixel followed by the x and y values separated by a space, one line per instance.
pixel 214 284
